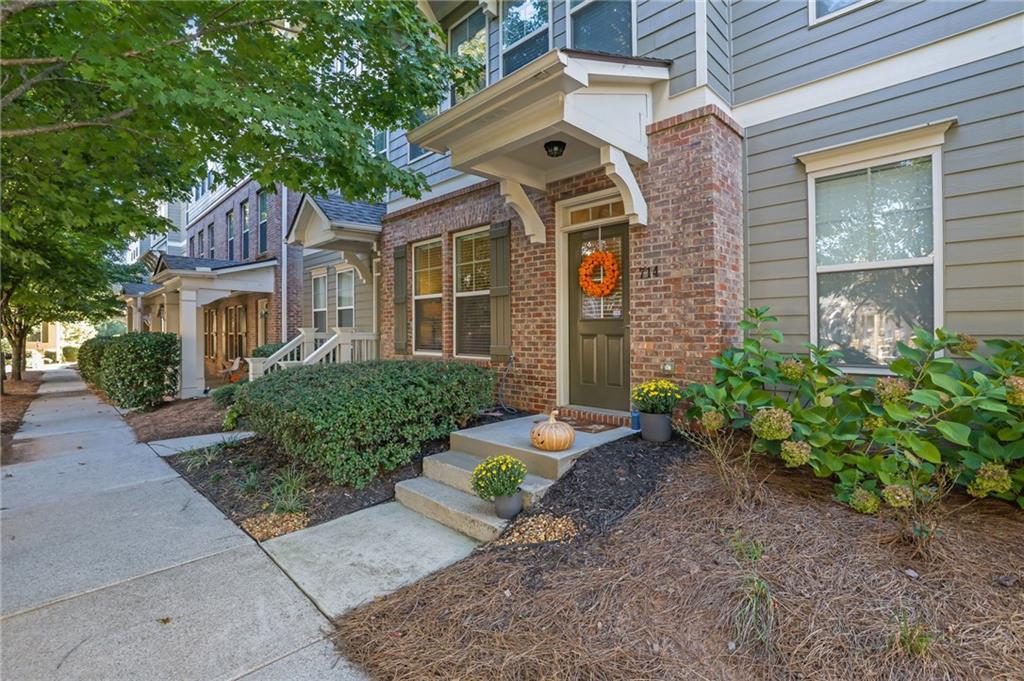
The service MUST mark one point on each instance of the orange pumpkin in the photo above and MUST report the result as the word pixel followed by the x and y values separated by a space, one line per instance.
pixel 552 435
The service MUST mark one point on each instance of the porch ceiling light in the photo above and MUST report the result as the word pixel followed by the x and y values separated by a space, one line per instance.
pixel 554 148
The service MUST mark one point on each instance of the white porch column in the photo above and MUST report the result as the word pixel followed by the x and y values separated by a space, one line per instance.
pixel 190 327
pixel 136 314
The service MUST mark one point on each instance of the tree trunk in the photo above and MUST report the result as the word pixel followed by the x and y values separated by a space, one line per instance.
pixel 18 357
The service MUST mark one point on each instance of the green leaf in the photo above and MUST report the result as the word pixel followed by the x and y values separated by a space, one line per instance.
pixel 898 412
pixel 928 398
pixel 990 448
pixel 956 433
pixel 946 382
pixel 819 438
pixel 924 449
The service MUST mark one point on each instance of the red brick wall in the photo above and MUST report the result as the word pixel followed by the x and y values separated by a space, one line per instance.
pixel 694 237
pixel 217 215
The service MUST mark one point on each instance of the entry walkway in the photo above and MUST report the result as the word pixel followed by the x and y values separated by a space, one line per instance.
pixel 113 567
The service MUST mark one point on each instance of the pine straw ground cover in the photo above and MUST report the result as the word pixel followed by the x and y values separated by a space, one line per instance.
pixel 654 596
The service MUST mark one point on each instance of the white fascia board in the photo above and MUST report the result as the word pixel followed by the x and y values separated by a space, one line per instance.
pixel 899 142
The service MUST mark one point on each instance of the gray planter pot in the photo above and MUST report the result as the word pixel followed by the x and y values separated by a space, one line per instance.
pixel 508 507
pixel 656 427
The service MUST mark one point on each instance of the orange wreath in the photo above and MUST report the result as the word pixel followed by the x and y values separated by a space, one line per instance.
pixel 606 261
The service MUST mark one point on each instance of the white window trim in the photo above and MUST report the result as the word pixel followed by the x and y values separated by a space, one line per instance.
pixel 429 296
pixel 351 272
pixel 241 329
pixel 466 294
pixel 229 227
pixel 312 294
pixel 814 20
pixel 487 45
pixel 571 10
pixel 935 260
pixel 262 308
pixel 501 37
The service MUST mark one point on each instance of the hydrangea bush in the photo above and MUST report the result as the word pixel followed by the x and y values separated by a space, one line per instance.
pixel 902 439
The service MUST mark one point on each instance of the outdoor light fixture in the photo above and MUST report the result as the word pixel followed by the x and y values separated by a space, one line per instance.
pixel 555 148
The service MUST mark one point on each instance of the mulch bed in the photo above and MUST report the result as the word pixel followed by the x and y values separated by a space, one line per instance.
pixel 179 418
pixel 240 479
pixel 13 405
pixel 649 590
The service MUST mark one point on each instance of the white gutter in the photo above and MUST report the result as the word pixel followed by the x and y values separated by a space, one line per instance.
pixel 284 264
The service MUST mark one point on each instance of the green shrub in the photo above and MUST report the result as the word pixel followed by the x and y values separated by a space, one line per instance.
pixel 50 355
pixel 354 421
pixel 70 353
pixel 90 358
pixel 903 439
pixel 225 395
pixel 140 369
pixel 266 350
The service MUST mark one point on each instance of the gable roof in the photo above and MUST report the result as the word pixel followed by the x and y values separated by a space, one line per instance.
pixel 337 209
pixel 132 288
pixel 184 262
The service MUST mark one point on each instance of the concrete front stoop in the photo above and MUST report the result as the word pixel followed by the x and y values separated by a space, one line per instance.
pixel 444 492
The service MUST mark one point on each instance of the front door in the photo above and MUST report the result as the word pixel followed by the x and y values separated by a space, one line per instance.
pixel 598 326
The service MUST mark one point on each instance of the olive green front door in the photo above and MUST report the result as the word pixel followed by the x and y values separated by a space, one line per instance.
pixel 599 326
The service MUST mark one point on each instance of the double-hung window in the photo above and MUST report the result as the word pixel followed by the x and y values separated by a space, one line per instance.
pixel 243 216
pixel 192 246
pixel 320 302
pixel 427 305
pixel 524 32
pixel 261 229
pixel 241 324
pixel 229 225
pixel 262 321
pixel 468 38
pixel 473 293
pixel 602 26
pixel 875 256
pixel 229 333
pixel 821 10
pixel 380 142
pixel 209 240
pixel 346 298
pixel 200 244
pixel 415 150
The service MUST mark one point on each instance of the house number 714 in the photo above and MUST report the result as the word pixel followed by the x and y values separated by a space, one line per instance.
pixel 648 272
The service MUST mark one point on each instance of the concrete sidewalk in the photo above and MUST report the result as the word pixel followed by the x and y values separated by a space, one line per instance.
pixel 113 567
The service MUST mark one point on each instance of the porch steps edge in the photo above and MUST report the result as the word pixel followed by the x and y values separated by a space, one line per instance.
pixel 537 462
pixel 455 469
pixel 458 510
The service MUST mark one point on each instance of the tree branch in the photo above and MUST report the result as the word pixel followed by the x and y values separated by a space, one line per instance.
pixel 12 7
pixel 69 125
pixel 28 84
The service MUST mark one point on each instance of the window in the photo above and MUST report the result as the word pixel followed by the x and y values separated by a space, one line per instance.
pixel 472 294
pixel 243 216
pixel 229 225
pixel 209 240
pixel 200 244
pixel 261 228
pixel 426 309
pixel 820 10
pixel 524 33
pixel 241 324
pixel 875 233
pixel 347 298
pixel 192 246
pixel 229 333
pixel 380 142
pixel 320 302
pixel 602 26
pixel 468 38
pixel 210 333
pixel 415 150
pixel 262 321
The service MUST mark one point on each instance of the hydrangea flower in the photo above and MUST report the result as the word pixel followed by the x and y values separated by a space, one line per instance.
pixel 712 420
pixel 992 478
pixel 873 423
pixel 772 424
pixel 891 389
pixel 965 344
pixel 792 370
pixel 1015 391
pixel 898 496
pixel 796 453
pixel 864 501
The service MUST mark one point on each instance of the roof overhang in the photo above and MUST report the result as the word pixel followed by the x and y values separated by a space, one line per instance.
pixel 213 284
pixel 313 229
pixel 599 106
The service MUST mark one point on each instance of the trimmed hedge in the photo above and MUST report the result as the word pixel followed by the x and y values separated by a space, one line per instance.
pixel 224 396
pixel 90 357
pixel 354 421
pixel 266 350
pixel 140 369
pixel 70 353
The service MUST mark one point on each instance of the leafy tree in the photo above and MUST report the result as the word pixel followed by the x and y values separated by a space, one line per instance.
pixel 111 327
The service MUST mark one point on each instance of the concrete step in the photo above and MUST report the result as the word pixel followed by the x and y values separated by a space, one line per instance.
pixel 455 469
pixel 513 437
pixel 456 509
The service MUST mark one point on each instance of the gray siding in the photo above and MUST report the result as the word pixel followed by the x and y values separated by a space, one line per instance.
pixel 983 192
pixel 666 30
pixel 775 49
pixel 720 48
pixel 333 261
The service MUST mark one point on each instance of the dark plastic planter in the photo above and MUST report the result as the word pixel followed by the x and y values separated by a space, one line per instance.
pixel 656 427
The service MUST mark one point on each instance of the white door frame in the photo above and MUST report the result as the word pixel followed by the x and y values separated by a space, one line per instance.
pixel 562 230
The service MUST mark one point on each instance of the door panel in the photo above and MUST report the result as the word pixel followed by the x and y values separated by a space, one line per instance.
pixel 598 327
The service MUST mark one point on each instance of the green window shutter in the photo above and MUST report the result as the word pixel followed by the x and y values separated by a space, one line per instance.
pixel 401 300
pixel 501 299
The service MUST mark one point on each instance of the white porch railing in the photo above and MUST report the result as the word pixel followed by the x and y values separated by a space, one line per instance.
pixel 317 347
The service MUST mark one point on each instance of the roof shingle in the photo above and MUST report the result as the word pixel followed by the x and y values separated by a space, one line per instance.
pixel 338 209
